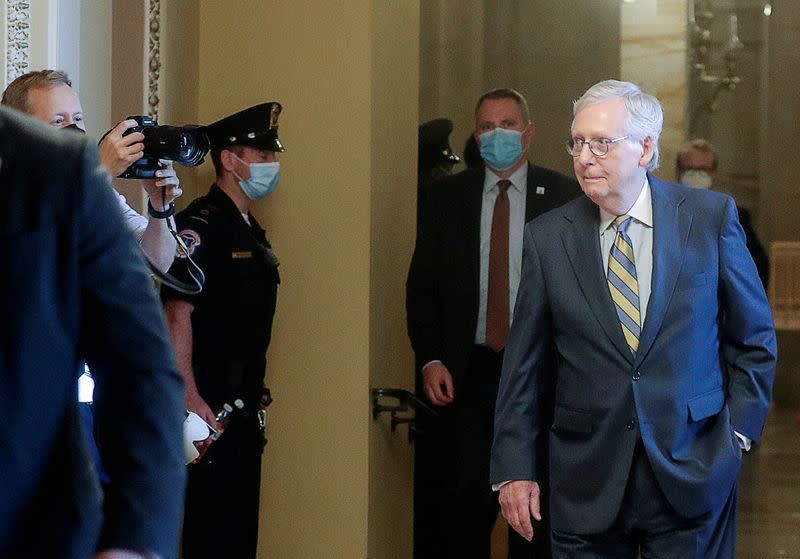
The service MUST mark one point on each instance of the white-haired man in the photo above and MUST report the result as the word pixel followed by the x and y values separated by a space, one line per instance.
pixel 643 296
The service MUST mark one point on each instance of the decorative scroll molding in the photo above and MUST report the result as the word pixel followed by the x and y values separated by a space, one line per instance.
pixel 153 58
pixel 18 24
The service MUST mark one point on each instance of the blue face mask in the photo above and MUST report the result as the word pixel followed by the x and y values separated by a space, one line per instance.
pixel 263 179
pixel 501 148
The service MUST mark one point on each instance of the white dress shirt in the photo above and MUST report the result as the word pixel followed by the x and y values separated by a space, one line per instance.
pixel 517 193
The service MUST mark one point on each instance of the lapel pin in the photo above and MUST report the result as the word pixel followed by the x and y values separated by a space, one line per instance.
pixel 539 190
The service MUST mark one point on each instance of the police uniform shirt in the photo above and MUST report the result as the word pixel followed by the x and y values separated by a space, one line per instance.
pixel 232 315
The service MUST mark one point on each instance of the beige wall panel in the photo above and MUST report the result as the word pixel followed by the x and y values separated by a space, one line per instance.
pixel 128 83
pixel 781 168
pixel 95 65
pixel 653 54
pixel 471 46
pixel 180 71
pixel 395 85
pixel 316 58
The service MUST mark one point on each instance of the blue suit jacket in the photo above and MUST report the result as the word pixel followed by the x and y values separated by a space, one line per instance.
pixel 704 368
pixel 72 285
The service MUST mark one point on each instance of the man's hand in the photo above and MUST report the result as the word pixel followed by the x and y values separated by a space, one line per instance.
pixel 195 403
pixel 118 152
pixel 438 383
pixel 154 187
pixel 519 501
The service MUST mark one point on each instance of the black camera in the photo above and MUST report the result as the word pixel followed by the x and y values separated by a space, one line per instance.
pixel 187 145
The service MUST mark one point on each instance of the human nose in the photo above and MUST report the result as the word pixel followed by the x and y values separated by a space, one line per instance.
pixel 585 156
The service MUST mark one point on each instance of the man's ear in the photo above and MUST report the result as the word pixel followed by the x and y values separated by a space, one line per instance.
pixel 227 160
pixel 528 134
pixel 649 151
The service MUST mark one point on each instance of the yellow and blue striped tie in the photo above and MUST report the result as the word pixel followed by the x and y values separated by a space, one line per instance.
pixel 623 284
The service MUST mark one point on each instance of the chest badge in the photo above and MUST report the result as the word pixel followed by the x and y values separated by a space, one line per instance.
pixel 190 240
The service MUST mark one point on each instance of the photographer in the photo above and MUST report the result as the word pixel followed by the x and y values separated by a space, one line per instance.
pixel 47 95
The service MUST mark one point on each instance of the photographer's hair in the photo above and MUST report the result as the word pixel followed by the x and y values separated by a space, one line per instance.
pixel 16 94
pixel 698 144
pixel 215 156
pixel 645 117
pixel 505 93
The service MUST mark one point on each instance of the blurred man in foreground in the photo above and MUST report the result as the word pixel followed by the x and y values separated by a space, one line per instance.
pixel 74 286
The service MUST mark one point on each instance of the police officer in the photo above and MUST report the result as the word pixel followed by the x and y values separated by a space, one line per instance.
pixel 221 335
pixel 436 158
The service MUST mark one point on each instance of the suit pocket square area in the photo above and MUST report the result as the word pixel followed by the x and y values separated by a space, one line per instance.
pixel 690 281
pixel 566 420
pixel 706 405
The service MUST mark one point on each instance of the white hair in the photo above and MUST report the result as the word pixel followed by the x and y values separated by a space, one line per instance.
pixel 645 116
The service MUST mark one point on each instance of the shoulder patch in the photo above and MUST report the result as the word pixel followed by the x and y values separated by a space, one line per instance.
pixel 189 240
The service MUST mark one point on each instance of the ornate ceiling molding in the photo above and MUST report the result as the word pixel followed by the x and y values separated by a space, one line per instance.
pixel 153 58
pixel 18 24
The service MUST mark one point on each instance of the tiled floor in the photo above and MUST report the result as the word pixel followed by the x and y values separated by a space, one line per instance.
pixel 769 499
pixel 769 504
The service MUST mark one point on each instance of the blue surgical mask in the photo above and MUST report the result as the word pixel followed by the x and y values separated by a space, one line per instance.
pixel 697 178
pixel 263 179
pixel 501 148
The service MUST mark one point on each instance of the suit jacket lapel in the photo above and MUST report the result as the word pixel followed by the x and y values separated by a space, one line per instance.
pixel 530 192
pixel 671 227
pixel 582 244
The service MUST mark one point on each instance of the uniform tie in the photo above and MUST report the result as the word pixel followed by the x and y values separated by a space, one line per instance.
pixel 623 284
pixel 497 306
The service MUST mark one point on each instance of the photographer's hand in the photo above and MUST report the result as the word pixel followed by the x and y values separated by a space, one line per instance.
pixel 118 152
pixel 157 241
pixel 167 182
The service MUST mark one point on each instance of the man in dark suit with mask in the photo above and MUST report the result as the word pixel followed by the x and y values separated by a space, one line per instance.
pixel 73 285
pixel 460 293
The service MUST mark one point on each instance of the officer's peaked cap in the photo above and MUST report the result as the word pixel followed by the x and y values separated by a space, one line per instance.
pixel 255 127
pixel 434 143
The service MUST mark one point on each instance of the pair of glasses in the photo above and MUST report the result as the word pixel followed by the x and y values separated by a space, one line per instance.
pixel 598 146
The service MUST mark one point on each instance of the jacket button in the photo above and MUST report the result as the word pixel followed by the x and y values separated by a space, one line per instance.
pixel 637 375
pixel 631 425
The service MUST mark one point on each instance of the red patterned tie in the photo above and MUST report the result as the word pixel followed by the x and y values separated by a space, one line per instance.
pixel 497 298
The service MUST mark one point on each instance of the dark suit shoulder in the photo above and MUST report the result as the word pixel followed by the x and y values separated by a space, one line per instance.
pixel 46 162
pixel 34 142
pixel 697 200
pixel 457 184
pixel 579 207
pixel 559 187
pixel 550 176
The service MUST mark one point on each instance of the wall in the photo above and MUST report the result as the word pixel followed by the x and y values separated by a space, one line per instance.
pixel 395 79
pixel 780 168
pixel 471 46
pixel 180 75
pixel 653 55
pixel 341 223
pixel 731 118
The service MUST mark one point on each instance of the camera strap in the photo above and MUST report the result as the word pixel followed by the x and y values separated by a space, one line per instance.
pixel 192 269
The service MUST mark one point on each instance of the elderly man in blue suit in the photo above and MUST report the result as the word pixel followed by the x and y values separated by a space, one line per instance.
pixel 643 297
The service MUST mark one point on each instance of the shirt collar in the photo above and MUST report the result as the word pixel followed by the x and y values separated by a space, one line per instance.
pixel 519 179
pixel 641 211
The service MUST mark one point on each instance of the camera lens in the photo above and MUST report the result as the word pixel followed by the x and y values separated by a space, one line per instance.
pixel 187 145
